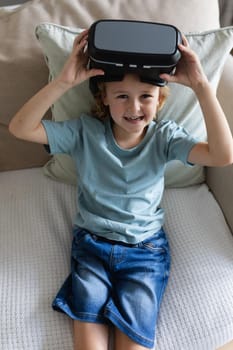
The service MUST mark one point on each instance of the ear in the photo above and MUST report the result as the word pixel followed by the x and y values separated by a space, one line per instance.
pixel 103 94
pixel 104 99
pixel 161 102
pixel 163 94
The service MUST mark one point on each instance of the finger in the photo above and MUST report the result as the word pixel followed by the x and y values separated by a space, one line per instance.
pixel 169 78
pixel 79 46
pixel 94 72
pixel 186 52
pixel 185 41
pixel 83 35
pixel 188 55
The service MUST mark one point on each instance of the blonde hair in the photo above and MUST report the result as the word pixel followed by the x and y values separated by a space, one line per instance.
pixel 100 111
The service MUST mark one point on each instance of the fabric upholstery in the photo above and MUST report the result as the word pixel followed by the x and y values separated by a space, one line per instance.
pixel 35 242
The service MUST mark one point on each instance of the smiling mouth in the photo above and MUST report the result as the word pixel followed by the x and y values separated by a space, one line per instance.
pixel 132 119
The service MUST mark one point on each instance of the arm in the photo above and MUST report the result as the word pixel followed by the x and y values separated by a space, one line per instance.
pixel 218 150
pixel 26 124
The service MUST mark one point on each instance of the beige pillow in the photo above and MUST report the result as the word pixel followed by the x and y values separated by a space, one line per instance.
pixel 212 47
pixel 23 70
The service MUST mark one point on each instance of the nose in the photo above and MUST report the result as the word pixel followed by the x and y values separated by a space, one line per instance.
pixel 134 107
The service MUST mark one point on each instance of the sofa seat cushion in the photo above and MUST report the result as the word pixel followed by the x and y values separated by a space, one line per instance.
pixel 35 239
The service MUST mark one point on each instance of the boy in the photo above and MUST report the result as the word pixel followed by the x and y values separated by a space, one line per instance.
pixel 120 255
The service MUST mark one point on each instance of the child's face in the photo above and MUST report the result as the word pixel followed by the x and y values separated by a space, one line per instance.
pixel 132 104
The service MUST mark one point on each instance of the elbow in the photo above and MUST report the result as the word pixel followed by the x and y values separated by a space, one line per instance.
pixel 14 129
pixel 229 157
pixel 229 161
pixel 225 164
pixel 226 160
pixel 11 128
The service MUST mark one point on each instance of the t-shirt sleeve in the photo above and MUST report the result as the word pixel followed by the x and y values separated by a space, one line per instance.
pixel 62 136
pixel 177 142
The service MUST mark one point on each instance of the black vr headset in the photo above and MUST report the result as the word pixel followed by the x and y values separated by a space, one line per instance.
pixel 121 46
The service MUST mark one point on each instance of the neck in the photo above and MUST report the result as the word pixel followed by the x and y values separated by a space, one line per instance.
pixel 127 140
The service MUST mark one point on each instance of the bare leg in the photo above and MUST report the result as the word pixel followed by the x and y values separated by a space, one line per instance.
pixel 89 336
pixel 124 342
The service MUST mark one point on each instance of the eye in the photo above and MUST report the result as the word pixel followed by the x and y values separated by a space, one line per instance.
pixel 122 96
pixel 145 96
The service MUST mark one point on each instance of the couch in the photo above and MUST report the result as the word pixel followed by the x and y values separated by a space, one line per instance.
pixel 37 201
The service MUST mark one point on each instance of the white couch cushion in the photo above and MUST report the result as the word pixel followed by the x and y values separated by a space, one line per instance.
pixel 35 240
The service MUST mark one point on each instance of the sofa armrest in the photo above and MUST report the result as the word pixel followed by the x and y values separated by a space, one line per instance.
pixel 220 180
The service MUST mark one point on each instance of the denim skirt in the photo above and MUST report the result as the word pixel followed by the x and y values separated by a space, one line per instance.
pixel 116 283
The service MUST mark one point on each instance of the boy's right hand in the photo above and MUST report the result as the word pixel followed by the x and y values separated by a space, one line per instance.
pixel 75 69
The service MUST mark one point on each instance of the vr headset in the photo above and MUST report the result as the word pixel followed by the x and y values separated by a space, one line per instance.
pixel 122 46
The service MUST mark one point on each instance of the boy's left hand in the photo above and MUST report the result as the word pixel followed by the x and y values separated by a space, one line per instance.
pixel 75 69
pixel 189 71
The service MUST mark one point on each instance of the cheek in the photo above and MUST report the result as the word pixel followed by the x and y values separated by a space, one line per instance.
pixel 112 111
pixel 152 108
pixel 116 108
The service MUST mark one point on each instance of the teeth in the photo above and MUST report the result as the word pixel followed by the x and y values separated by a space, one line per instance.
pixel 134 118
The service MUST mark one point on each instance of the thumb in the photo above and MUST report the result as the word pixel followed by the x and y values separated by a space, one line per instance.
pixel 94 72
pixel 168 77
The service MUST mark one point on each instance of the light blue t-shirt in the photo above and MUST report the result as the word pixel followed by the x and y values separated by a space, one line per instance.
pixel 119 190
